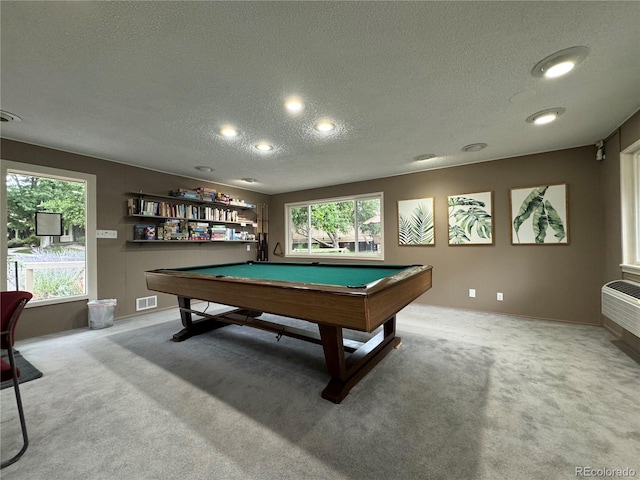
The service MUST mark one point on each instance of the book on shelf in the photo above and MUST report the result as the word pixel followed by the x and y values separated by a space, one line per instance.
pixel 175 230
pixel 207 194
pixel 150 232
pixel 199 231
pixel 145 207
pixel 218 232
pixel 144 232
pixel 223 198
pixel 206 190
pixel 187 217
pixel 184 193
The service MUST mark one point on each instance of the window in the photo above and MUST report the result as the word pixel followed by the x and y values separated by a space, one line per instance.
pixel 349 227
pixel 630 192
pixel 55 264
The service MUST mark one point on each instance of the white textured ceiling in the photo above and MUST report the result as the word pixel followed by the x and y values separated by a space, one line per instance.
pixel 150 83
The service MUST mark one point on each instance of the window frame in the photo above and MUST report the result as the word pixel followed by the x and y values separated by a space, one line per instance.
pixel 365 196
pixel 630 208
pixel 91 250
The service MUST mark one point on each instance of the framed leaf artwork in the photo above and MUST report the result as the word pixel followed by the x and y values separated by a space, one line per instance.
pixel 540 215
pixel 415 222
pixel 471 218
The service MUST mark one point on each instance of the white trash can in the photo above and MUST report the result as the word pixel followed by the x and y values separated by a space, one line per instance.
pixel 101 313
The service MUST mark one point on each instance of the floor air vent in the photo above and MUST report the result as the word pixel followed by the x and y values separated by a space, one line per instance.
pixel 621 304
pixel 145 303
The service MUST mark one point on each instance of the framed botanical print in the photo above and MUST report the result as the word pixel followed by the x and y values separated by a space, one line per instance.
pixel 470 218
pixel 415 222
pixel 540 215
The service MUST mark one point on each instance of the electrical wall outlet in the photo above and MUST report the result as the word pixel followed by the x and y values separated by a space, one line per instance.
pixel 499 297
pixel 248 248
pixel 472 292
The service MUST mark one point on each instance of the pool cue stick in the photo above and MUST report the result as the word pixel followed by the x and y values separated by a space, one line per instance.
pixel 259 237
pixel 265 231
pixel 263 254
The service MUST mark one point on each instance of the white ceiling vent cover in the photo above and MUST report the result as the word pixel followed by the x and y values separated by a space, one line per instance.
pixel 621 304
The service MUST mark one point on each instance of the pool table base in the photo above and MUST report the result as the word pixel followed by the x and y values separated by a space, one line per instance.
pixel 345 370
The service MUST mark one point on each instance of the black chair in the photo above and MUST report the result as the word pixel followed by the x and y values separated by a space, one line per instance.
pixel 11 305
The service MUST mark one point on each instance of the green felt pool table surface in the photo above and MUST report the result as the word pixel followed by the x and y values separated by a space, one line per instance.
pixel 347 275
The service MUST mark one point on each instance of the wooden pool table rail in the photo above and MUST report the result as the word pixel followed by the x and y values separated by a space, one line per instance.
pixel 358 309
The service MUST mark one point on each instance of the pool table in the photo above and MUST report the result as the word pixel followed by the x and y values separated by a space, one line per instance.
pixel 335 296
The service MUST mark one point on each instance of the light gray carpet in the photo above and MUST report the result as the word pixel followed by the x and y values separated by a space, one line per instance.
pixel 26 371
pixel 469 395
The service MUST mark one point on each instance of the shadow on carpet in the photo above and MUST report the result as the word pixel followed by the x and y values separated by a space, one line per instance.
pixel 418 414
pixel 27 371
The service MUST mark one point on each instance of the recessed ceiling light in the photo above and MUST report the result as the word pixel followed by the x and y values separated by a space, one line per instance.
pixel 249 180
pixel 9 117
pixel 229 132
pixel 205 169
pixel 545 116
pixel 264 147
pixel 560 63
pixel 559 69
pixel 424 156
pixel 325 126
pixel 294 105
pixel 474 147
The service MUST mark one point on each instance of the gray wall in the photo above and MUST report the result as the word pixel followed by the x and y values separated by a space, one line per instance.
pixel 121 266
pixel 560 282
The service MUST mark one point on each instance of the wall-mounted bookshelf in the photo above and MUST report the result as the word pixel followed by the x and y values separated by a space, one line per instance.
pixel 191 216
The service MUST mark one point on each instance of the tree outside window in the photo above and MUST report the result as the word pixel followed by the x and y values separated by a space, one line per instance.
pixel 342 227
pixel 49 267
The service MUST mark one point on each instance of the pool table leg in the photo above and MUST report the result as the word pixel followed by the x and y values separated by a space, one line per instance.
pixel 345 371
pixel 192 328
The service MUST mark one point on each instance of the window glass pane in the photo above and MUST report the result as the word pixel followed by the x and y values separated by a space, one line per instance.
pixel 48 266
pixel 369 226
pixel 346 227
pixel 332 227
pixel 299 229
